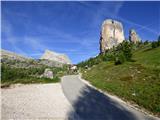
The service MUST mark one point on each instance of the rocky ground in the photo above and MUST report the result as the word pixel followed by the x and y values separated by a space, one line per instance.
pixel 38 101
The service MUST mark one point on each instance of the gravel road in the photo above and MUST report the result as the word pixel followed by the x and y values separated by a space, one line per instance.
pixel 72 99
pixel 36 101
pixel 90 104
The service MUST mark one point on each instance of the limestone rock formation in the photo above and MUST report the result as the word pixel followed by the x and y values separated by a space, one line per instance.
pixel 133 36
pixel 12 56
pixel 111 34
pixel 53 56
pixel 15 60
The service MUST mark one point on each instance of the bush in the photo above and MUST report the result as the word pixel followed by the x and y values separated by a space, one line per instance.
pixel 158 42
pixel 146 42
pixel 119 54
pixel 154 44
pixel 120 58
pixel 159 38
pixel 108 56
pixel 12 73
pixel 127 50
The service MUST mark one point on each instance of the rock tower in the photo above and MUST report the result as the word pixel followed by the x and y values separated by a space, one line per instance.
pixel 111 34
pixel 133 36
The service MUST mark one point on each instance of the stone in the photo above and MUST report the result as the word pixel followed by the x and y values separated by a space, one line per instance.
pixel 58 57
pixel 111 34
pixel 73 68
pixel 48 73
pixel 133 36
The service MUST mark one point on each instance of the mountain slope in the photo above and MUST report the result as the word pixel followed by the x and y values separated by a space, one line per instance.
pixel 15 60
pixel 13 56
pixel 57 57
pixel 138 81
pixel 18 69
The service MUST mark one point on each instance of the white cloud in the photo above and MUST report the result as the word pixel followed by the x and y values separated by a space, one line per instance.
pixel 140 27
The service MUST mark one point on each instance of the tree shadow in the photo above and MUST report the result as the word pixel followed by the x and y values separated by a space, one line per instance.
pixel 93 105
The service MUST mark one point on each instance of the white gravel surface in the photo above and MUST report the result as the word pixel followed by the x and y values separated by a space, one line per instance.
pixel 36 101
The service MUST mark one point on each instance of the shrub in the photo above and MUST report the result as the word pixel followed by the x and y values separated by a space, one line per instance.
pixel 154 44
pixel 159 38
pixel 126 48
pixel 120 58
pixel 158 41
pixel 146 42
pixel 119 54
pixel 108 56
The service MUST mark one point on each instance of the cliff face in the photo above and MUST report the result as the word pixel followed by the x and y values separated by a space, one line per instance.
pixel 53 56
pixel 111 34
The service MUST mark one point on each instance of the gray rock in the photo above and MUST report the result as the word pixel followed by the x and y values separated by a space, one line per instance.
pixel 13 56
pixel 133 36
pixel 111 34
pixel 15 60
pixel 47 73
pixel 53 56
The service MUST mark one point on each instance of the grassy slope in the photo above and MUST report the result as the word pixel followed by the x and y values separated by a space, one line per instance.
pixel 138 81
pixel 7 83
pixel 11 75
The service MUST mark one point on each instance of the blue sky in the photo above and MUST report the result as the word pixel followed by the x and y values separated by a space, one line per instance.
pixel 73 28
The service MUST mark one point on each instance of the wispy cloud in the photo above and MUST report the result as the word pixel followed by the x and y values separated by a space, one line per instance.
pixel 140 27
pixel 112 11
pixel 106 10
pixel 7 31
pixel 38 44
pixel 61 28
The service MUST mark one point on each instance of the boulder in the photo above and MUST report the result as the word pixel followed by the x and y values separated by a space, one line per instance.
pixel 111 34
pixel 48 73
pixel 133 36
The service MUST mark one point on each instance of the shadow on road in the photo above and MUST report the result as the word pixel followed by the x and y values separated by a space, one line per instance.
pixel 93 105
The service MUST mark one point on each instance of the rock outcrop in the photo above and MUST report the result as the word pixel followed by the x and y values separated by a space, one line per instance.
pixel 53 56
pixel 15 60
pixel 111 34
pixel 47 74
pixel 133 36
pixel 13 56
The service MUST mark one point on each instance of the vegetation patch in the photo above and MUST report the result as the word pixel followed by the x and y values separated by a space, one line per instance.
pixel 12 75
pixel 137 81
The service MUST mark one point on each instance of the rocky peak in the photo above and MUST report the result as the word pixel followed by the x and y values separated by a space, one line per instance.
pixel 13 56
pixel 133 36
pixel 111 34
pixel 58 57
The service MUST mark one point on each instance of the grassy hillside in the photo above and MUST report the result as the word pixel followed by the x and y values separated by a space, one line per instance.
pixel 12 75
pixel 137 81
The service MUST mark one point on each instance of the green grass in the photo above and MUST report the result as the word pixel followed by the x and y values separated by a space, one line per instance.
pixel 137 82
pixel 11 75
pixel 29 80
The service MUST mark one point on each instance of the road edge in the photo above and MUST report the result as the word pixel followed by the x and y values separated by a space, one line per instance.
pixel 116 98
